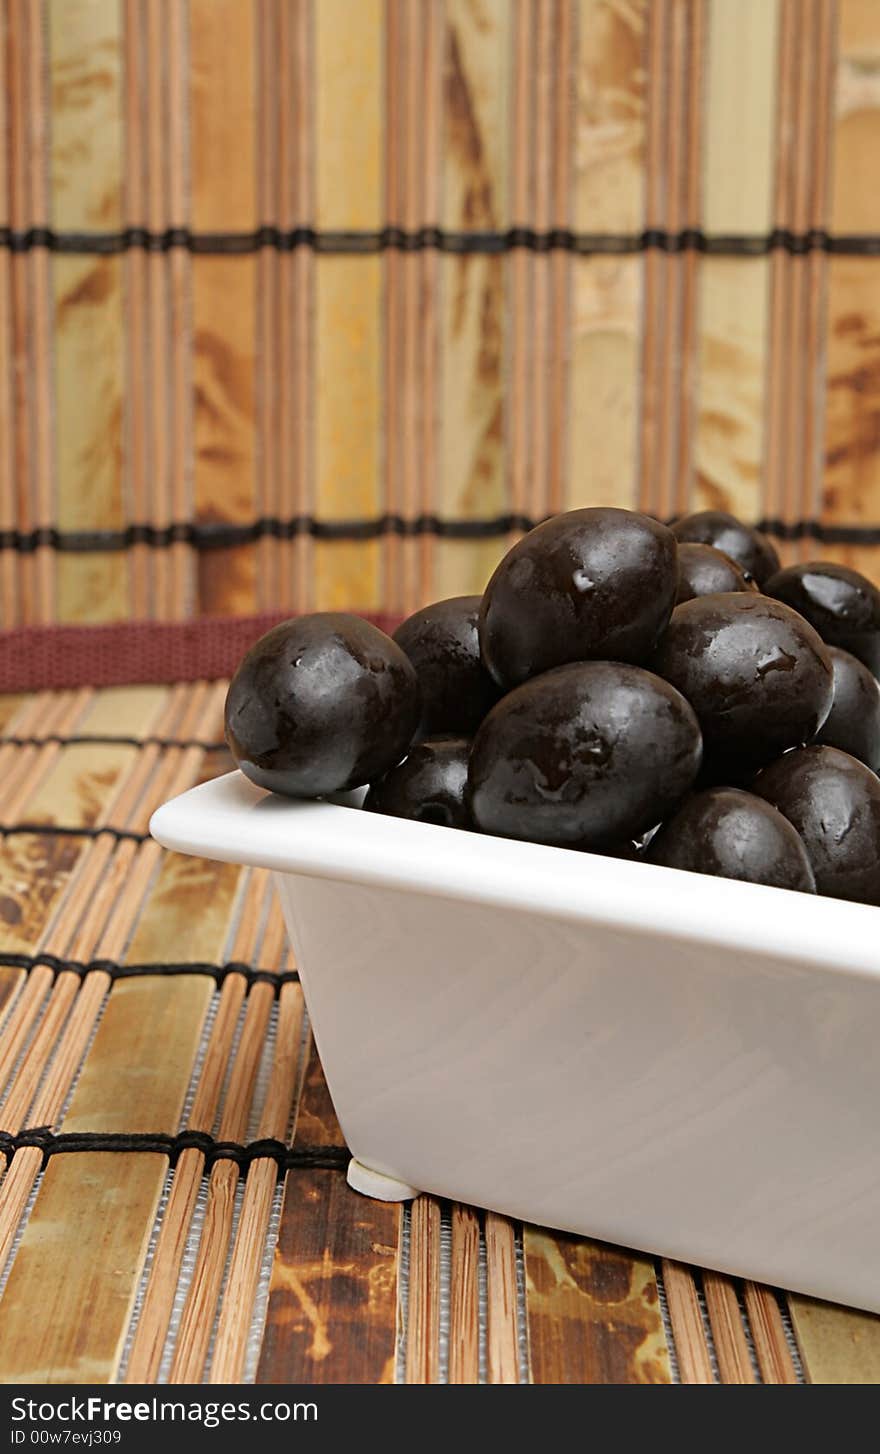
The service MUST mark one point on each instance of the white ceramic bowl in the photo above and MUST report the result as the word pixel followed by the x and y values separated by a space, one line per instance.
pixel 678 1063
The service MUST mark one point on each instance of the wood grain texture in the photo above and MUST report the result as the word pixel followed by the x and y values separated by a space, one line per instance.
pixel 476 98
pixel 852 444
pixel 606 341
pixel 332 1312
pixel 85 39
pixel 348 61
pixel 222 39
pixel 836 1344
pixel 606 303
pixel 593 1313
pixel 733 318
pixel 71 1276
pixel 609 138
pixel 135 1075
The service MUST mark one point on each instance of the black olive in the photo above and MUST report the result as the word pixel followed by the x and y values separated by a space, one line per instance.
pixel 853 724
pixel 428 786
pixel 587 755
pixel 443 644
pixel 321 704
pixel 842 605
pixel 733 834
pixel 757 675
pixel 590 584
pixel 705 571
pixel 748 547
pixel 833 801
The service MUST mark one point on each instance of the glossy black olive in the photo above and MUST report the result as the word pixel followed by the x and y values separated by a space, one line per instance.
pixel 748 547
pixel 428 786
pixel 842 605
pixel 733 834
pixel 587 755
pixel 757 675
pixel 443 645
pixel 590 584
pixel 320 704
pixel 834 803
pixel 705 571
pixel 853 724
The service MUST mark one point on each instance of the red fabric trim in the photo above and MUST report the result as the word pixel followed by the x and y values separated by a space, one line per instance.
pixel 34 658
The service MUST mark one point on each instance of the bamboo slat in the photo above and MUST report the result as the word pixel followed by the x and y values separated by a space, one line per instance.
pixel 86 43
pixel 836 1344
pixel 852 454
pixel 477 196
pixel 502 1343
pixel 464 1297
pixel 733 324
pixel 222 39
pixel 691 1348
pixel 9 572
pixel 348 66
pixel 593 1313
pixel 333 1292
pixel 728 1334
pixel 768 1334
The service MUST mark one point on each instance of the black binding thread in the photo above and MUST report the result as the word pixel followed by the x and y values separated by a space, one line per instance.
pixel 67 830
pixel 420 239
pixel 219 536
pixel 287 1158
pixel 93 740
pixel 111 967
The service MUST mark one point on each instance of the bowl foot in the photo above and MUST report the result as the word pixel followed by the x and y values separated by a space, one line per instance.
pixel 376 1184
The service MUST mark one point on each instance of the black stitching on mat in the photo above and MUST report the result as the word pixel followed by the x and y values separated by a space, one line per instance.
pixel 286 1158
pixel 358 241
pixel 218 972
pixel 223 536
pixel 67 830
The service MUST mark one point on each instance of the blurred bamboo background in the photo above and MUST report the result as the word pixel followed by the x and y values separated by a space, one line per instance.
pixel 316 303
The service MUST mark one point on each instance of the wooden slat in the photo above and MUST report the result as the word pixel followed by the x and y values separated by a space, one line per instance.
pixel 852 450
pixel 333 1293
pixel 423 1294
pixel 223 69
pixel 733 291
pixel 606 303
pixel 691 1348
pixel 85 38
pixel 9 564
pixel 836 1344
pixel 768 1334
pixel 728 1334
pixel 502 1345
pixel 593 1313
pixel 464 1308
pixel 476 101
pixel 348 61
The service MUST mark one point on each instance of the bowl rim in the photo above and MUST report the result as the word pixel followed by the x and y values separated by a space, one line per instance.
pixel 230 819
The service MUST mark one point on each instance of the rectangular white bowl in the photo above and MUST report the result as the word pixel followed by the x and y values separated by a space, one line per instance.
pixel 677 1063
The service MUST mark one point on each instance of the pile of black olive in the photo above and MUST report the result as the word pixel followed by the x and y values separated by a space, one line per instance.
pixel 621 687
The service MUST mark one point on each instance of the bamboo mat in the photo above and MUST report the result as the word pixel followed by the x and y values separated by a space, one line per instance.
pixel 309 304
pixel 174 1204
